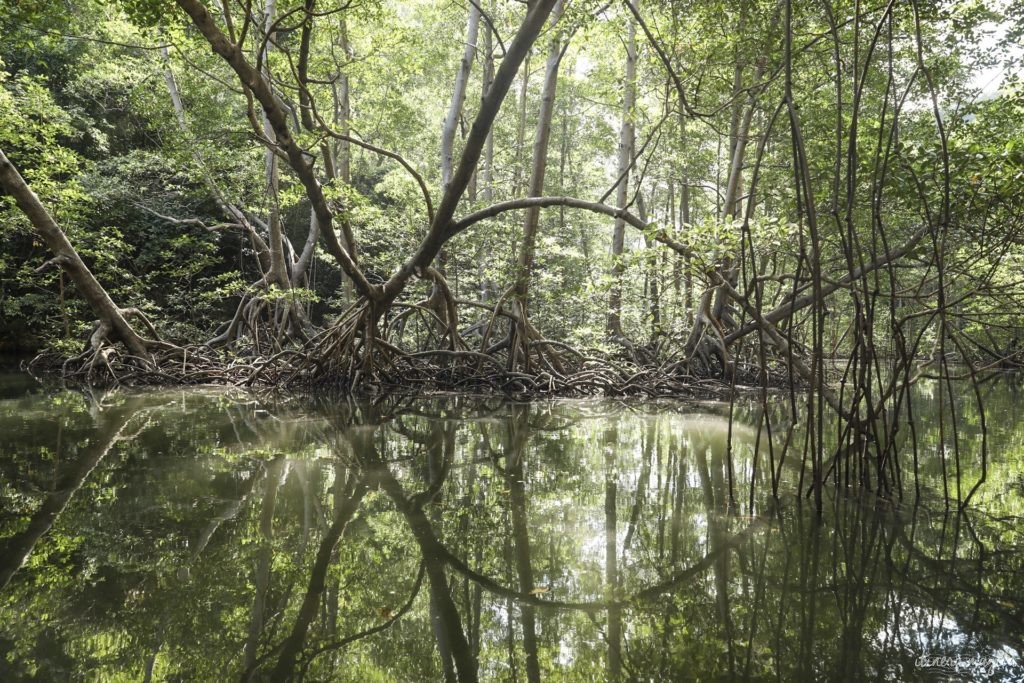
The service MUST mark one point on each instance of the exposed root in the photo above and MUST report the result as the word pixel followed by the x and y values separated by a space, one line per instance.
pixel 268 324
pixel 111 365
pixel 354 356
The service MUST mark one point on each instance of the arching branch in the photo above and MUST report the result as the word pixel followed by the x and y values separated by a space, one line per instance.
pixel 384 153
pixel 438 233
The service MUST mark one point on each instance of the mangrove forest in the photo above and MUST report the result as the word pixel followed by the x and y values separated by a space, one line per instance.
pixel 511 340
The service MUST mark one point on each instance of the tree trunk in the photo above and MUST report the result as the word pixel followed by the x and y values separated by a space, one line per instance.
pixel 441 227
pixel 278 269
pixel 540 163
pixel 337 166
pixel 626 141
pixel 487 170
pixel 517 178
pixel 298 158
pixel 111 317
pixel 451 120
pixel 230 211
pixel 436 300
pixel 685 221
pixel 717 315
pixel 651 270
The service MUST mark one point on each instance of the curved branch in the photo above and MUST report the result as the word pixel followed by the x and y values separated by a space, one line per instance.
pixel 792 305
pixel 571 202
pixel 432 244
pixel 402 611
pixel 490 23
pixel 384 153
pixel 665 60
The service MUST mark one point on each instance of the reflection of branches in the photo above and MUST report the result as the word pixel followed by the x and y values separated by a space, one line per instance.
pixel 951 580
pixel 373 630
pixel 18 547
pixel 277 472
pixel 641 485
pixel 433 546
pixel 514 446
pixel 292 646
pixel 451 637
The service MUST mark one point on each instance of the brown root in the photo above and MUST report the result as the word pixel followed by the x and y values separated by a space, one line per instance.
pixel 366 352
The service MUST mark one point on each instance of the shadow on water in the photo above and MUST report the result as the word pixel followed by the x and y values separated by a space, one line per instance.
pixel 207 536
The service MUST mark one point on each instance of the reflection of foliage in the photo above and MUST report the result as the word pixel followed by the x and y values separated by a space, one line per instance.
pixel 155 560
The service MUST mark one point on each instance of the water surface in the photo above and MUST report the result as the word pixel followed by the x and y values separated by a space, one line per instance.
pixel 208 535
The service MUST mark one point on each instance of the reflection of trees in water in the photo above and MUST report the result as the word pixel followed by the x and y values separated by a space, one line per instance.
pixel 17 547
pixel 599 544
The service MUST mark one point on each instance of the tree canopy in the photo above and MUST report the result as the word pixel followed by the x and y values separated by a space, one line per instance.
pixel 556 197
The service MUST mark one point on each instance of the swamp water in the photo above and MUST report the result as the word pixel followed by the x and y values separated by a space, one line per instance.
pixel 204 536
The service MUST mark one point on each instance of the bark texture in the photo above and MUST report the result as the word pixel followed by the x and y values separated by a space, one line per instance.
pixel 627 133
pixel 111 317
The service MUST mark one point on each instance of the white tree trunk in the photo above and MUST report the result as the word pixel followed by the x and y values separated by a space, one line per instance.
pixel 451 120
pixel 278 269
pixel 540 161
pixel 627 133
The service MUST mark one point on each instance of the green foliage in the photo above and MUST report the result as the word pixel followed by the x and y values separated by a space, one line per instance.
pixel 91 125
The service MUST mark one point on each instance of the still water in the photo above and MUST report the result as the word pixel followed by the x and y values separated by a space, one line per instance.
pixel 207 536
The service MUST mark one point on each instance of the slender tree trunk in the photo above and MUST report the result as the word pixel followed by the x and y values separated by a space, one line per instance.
pixel 717 314
pixel 487 170
pixel 448 130
pixel 300 268
pixel 343 119
pixel 278 269
pixel 337 167
pixel 540 163
pixel 230 211
pixel 451 120
pixel 682 263
pixel 517 178
pixel 651 270
pixel 442 227
pixel 627 134
pixel 685 221
pixel 677 266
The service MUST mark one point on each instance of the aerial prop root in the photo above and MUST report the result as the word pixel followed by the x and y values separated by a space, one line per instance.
pixel 107 359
